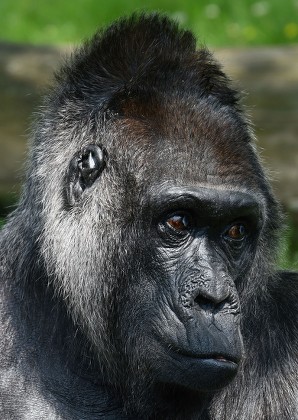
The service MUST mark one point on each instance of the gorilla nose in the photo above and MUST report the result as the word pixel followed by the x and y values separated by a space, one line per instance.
pixel 212 301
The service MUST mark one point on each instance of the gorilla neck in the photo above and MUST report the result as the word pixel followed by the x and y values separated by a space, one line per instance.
pixel 61 362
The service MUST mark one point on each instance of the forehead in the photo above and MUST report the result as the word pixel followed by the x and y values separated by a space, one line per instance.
pixel 186 142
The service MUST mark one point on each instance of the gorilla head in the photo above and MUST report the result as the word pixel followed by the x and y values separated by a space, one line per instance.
pixel 149 218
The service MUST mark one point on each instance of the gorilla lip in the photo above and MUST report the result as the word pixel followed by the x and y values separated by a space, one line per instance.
pixel 205 372
pixel 221 358
pixel 218 357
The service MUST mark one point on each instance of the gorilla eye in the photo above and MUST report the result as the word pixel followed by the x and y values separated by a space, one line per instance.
pixel 178 222
pixel 237 232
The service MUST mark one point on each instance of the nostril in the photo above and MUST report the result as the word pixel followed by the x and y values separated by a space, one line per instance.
pixel 204 303
pixel 210 304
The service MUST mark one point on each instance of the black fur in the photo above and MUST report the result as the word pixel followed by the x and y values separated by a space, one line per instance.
pixel 122 284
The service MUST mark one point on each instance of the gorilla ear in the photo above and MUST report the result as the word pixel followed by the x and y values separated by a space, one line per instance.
pixel 84 168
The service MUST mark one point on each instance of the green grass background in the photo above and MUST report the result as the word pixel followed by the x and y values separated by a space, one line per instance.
pixel 216 22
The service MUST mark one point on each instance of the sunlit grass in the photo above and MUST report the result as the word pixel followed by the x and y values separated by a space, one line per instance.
pixel 288 256
pixel 216 22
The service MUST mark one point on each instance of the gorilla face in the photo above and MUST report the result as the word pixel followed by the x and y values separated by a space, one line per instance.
pixel 185 305
pixel 200 237
pixel 164 290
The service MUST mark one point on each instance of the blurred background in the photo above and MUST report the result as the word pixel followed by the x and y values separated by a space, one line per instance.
pixel 256 42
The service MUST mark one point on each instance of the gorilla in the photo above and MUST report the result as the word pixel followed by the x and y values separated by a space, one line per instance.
pixel 138 275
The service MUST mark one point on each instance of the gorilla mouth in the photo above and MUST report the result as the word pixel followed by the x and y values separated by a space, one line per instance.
pixel 228 359
pixel 216 360
pixel 223 359
pixel 219 357
pixel 202 372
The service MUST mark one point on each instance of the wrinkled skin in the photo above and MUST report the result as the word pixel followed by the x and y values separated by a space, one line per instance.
pixel 137 273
